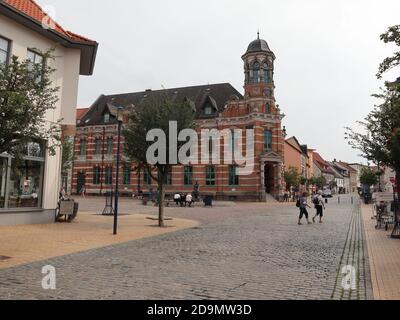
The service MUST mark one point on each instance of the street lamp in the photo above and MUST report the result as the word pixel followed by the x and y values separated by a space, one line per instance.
pixel 120 121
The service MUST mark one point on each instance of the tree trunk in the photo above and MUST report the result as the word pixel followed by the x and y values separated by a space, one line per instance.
pixel 161 203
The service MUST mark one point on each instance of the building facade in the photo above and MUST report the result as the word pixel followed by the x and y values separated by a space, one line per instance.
pixel 295 157
pixel 217 106
pixel 29 193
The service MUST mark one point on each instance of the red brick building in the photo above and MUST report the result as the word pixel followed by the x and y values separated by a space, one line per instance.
pixel 218 106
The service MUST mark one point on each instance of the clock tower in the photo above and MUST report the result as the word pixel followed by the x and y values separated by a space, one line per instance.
pixel 259 74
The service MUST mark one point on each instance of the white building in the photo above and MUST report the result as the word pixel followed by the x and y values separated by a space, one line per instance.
pixel 30 194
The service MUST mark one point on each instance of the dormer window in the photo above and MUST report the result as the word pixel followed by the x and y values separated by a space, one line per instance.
pixel 106 118
pixel 208 110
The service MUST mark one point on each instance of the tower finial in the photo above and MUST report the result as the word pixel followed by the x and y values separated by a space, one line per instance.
pixel 258 34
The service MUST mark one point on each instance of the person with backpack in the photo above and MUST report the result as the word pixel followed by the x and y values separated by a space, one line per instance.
pixel 302 205
pixel 319 206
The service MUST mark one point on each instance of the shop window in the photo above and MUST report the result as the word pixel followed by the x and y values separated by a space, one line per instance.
pixel 25 185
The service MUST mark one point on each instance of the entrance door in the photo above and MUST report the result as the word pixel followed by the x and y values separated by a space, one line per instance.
pixel 269 178
pixel 81 182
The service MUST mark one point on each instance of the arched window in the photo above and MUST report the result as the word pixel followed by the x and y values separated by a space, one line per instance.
pixel 267 76
pixel 256 72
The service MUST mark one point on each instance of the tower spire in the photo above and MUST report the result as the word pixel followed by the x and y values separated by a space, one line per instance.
pixel 258 34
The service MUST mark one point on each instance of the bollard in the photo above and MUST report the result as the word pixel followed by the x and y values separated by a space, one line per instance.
pixel 339 200
pixel 326 201
pixel 352 200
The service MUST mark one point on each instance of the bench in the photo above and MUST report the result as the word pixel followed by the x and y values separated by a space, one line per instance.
pixel 67 211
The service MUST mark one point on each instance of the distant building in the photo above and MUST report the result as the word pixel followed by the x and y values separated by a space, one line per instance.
pixel 322 168
pixel 296 156
pixel 352 173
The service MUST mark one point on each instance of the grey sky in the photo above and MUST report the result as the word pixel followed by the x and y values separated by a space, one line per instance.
pixel 327 53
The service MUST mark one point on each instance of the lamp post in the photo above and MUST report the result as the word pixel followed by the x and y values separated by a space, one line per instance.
pixel 120 120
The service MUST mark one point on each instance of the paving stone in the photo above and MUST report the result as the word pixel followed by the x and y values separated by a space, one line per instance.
pixel 250 251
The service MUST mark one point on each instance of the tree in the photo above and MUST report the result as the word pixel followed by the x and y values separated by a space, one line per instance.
pixel 156 113
pixel 391 36
pixel 368 177
pixel 319 182
pixel 26 95
pixel 292 178
pixel 380 141
pixel 303 181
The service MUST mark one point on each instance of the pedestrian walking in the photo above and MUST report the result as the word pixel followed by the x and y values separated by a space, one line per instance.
pixel 302 205
pixel 83 191
pixel 319 206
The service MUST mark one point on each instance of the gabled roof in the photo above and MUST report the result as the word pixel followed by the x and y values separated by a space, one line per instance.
pixel 294 143
pixel 322 164
pixel 335 171
pixel 341 168
pixel 81 112
pixel 219 94
pixel 31 15
pixel 348 166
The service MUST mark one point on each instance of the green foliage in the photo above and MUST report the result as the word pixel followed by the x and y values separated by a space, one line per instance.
pixel 292 178
pixel 319 182
pixel 368 176
pixel 391 36
pixel 303 181
pixel 379 142
pixel 155 113
pixel 26 95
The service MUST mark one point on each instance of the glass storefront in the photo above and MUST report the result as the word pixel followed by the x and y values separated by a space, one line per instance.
pixel 21 183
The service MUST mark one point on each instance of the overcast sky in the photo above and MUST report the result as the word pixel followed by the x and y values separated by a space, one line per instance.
pixel 328 52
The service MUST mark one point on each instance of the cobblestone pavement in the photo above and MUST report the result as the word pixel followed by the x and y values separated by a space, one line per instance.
pixel 250 251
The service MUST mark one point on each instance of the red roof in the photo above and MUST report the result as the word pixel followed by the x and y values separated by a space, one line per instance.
pixel 31 9
pixel 80 113
pixel 322 164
